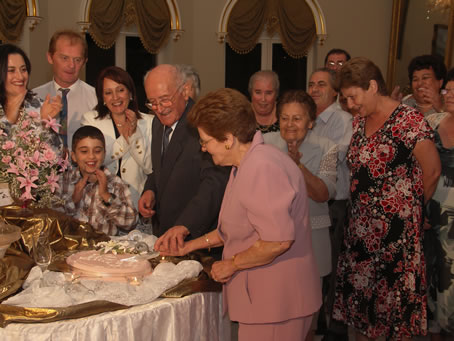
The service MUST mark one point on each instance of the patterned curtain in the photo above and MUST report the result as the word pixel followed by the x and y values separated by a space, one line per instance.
pixel 293 20
pixel 151 17
pixel 12 19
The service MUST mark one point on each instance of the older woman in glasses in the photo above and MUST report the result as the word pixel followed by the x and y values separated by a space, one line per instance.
pixel 441 219
pixel 126 130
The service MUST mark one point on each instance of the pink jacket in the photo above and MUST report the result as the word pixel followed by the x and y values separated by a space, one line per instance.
pixel 266 199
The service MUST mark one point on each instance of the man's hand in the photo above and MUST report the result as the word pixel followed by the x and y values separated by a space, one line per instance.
pixel 172 240
pixel 146 204
pixel 51 107
pixel 79 188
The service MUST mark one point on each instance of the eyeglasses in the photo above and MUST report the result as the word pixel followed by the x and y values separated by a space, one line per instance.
pixel 164 102
pixel 447 91
pixel 340 63
pixel 204 143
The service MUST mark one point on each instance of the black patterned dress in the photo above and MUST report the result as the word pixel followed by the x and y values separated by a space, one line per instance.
pixel 381 287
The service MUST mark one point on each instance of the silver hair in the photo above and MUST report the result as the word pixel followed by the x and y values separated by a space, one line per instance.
pixel 264 74
pixel 179 75
pixel 332 76
pixel 190 74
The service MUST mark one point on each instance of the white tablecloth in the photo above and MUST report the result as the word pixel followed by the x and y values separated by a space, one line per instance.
pixel 195 317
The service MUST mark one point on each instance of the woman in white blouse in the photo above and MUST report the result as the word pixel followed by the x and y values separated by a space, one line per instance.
pixel 126 130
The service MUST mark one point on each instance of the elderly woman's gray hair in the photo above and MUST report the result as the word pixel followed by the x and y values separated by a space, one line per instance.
pixel 264 74
pixel 191 76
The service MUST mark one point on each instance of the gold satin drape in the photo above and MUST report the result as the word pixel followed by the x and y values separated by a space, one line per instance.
pixel 106 18
pixel 151 17
pixel 153 22
pixel 65 235
pixel 292 19
pixel 12 19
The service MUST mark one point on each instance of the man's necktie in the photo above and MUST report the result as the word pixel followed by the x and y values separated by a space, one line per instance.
pixel 165 140
pixel 64 116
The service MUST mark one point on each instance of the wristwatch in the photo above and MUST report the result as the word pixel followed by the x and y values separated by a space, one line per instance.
pixel 111 199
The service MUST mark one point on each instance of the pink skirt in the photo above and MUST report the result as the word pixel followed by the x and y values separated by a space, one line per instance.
pixel 290 330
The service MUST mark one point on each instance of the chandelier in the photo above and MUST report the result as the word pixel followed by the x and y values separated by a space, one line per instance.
pixel 442 6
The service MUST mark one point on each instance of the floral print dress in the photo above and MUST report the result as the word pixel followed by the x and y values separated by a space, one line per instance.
pixel 441 217
pixel 381 288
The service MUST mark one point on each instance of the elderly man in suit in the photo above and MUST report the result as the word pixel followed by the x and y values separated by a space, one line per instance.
pixel 184 192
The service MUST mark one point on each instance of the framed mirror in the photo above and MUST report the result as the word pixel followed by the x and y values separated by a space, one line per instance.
pixel 418 27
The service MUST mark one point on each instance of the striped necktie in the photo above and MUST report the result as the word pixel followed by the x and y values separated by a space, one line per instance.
pixel 165 140
pixel 64 116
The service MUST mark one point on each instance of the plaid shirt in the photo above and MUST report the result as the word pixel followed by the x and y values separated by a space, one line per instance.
pixel 91 209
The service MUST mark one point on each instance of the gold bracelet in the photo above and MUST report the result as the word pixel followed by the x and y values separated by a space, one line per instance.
pixel 233 261
pixel 208 242
pixel 300 166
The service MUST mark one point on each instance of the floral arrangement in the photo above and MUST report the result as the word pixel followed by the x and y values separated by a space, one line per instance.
pixel 30 162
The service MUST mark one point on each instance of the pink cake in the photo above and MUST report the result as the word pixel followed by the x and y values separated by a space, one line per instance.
pixel 108 266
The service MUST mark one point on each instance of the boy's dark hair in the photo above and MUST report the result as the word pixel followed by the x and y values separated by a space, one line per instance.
pixel 87 131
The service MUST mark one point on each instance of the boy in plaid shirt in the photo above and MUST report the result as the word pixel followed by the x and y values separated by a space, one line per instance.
pixel 90 192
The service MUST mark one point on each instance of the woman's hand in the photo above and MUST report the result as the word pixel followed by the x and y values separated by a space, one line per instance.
pixel 223 270
pixel 432 96
pixel 51 107
pixel 293 151
pixel 13 105
pixel 131 119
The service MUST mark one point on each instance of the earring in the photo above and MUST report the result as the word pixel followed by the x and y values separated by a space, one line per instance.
pixel 227 146
pixel 104 103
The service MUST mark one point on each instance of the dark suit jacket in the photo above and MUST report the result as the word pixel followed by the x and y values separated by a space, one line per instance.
pixel 188 186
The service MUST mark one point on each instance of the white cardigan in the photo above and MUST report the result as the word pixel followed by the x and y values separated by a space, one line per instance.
pixel 135 155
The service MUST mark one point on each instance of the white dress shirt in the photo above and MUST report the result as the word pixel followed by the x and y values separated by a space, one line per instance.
pixel 81 98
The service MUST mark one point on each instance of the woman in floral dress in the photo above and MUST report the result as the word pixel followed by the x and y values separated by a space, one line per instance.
pixel 394 167
pixel 441 219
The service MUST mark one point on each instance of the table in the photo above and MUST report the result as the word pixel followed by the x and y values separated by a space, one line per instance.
pixel 196 317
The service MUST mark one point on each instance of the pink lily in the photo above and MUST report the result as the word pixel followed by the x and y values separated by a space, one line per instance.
pixel 51 123
pixel 35 158
pixel 8 145
pixel 52 181
pixel 28 184
pixel 27 195
pixel 13 169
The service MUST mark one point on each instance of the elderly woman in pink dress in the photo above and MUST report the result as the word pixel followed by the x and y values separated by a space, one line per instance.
pixel 271 281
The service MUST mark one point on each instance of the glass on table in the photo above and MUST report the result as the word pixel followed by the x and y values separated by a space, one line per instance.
pixel 42 252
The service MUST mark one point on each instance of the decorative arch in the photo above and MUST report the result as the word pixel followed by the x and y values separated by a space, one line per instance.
pixel 319 18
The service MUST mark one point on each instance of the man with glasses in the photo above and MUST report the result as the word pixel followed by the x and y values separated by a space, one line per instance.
pixel 335 124
pixel 184 192
pixel 335 58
